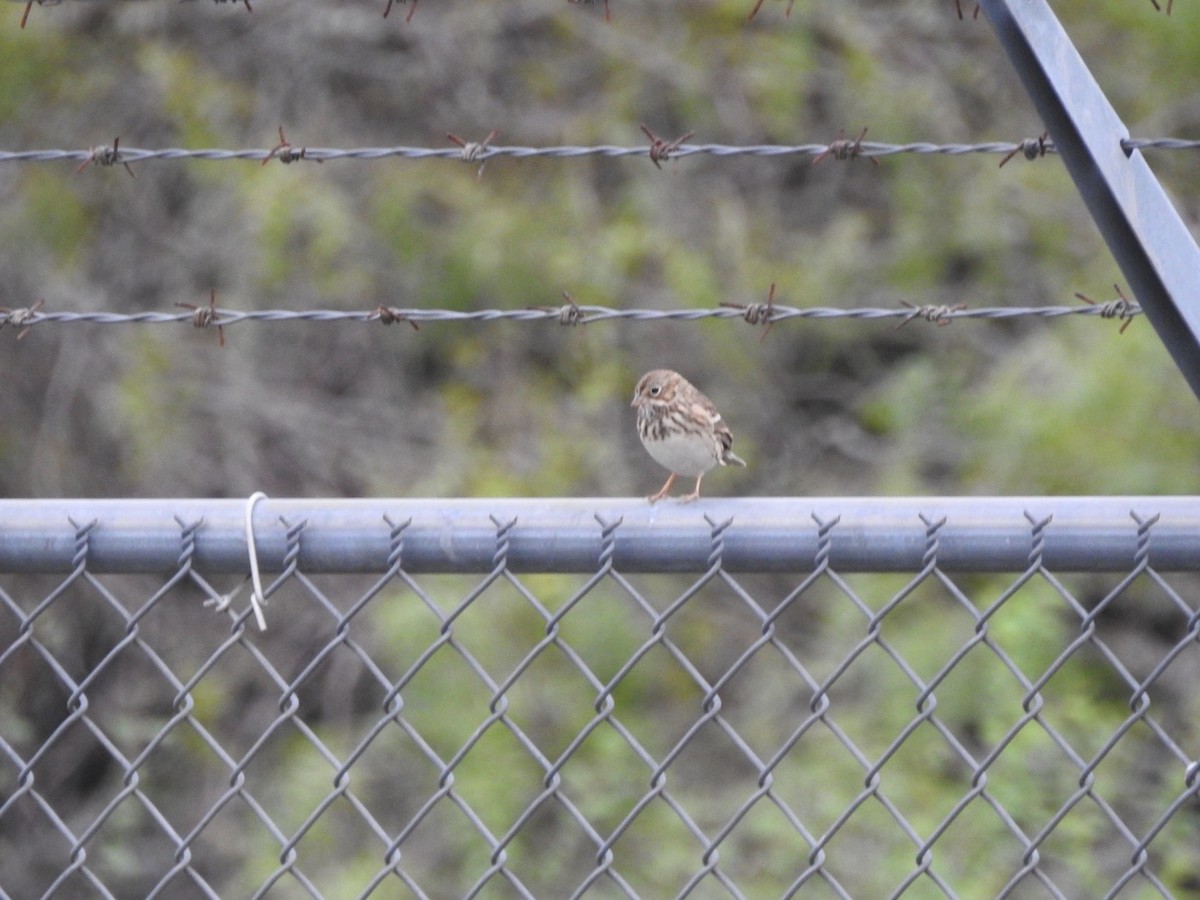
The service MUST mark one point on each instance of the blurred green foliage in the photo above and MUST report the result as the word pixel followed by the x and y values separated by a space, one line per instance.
pixel 1043 407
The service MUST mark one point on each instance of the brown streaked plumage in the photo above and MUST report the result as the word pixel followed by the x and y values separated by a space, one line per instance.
pixel 681 429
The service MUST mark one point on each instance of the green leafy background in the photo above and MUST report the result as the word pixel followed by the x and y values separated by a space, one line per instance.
pixel 818 407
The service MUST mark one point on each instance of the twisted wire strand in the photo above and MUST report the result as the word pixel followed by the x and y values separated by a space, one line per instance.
pixel 581 314
pixel 869 149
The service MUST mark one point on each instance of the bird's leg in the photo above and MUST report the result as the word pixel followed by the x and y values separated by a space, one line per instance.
pixel 694 495
pixel 654 498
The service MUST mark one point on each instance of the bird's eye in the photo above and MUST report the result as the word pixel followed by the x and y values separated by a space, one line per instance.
pixel 656 390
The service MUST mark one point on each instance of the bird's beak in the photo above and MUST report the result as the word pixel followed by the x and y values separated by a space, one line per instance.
pixel 635 400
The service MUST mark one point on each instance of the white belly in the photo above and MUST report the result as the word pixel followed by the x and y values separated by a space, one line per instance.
pixel 684 456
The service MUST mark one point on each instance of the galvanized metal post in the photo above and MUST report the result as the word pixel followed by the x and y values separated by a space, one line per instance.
pixel 1147 237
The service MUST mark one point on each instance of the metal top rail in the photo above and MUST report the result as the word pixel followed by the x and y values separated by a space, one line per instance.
pixel 998 534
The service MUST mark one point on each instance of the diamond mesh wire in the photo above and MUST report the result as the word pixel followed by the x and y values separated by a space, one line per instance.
pixel 613 734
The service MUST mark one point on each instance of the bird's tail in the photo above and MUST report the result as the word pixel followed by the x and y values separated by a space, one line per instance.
pixel 732 459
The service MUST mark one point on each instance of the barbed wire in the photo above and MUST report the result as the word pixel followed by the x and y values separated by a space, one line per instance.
pixel 480 152
pixel 569 313
pixel 958 7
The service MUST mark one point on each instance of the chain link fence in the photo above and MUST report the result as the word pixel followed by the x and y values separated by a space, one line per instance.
pixel 753 698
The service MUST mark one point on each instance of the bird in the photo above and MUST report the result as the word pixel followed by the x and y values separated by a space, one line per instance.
pixel 681 429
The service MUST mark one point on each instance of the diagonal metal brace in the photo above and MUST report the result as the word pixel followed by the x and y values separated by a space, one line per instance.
pixel 1148 239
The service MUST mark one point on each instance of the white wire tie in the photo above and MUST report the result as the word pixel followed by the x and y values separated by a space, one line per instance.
pixel 257 600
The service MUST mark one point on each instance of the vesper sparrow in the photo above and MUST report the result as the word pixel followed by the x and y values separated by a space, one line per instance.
pixel 681 429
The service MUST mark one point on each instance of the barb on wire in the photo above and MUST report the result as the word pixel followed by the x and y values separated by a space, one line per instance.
pixel 975 14
pixel 474 151
pixel 607 13
pixel 1158 8
pixel 285 152
pixel 1032 148
pixel 758 313
pixel 412 9
pixel 660 150
pixel 1120 308
pixel 787 13
pixel 105 156
pixel 28 7
pixel 22 317
pixel 389 314
pixel 206 316
pixel 843 149
pixel 940 315
pixel 570 313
